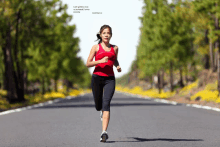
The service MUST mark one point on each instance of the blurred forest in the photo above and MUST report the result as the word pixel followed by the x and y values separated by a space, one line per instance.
pixel 37 48
pixel 178 45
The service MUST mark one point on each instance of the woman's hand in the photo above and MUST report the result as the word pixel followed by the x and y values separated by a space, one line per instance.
pixel 119 68
pixel 104 59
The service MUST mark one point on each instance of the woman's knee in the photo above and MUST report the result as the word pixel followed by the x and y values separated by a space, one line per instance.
pixel 98 108
pixel 106 107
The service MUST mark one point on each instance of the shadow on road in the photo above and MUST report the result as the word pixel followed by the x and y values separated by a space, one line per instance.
pixel 93 105
pixel 88 102
pixel 136 139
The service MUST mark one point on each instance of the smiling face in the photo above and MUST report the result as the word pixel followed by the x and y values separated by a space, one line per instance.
pixel 106 35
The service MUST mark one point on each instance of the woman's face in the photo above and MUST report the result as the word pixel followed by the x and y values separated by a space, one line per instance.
pixel 106 35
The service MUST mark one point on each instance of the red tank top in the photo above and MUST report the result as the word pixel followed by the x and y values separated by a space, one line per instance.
pixel 105 69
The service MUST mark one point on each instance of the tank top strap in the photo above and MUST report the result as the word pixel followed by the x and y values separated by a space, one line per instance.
pixel 112 49
pixel 100 47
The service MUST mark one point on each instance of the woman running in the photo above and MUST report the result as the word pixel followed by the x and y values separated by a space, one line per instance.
pixel 103 75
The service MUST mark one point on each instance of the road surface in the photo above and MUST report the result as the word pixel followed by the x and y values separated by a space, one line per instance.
pixel 134 122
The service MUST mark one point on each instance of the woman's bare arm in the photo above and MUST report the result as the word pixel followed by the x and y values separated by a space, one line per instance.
pixel 116 59
pixel 90 62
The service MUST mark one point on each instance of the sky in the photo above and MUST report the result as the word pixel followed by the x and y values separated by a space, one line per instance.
pixel 120 15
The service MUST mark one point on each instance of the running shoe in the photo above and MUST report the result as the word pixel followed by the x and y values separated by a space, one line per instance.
pixel 104 136
pixel 101 115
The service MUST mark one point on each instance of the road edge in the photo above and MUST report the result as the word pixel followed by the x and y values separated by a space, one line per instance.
pixel 39 104
pixel 171 102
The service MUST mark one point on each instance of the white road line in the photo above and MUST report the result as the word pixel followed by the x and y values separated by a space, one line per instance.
pixel 172 102
pixel 38 105
pixel 216 109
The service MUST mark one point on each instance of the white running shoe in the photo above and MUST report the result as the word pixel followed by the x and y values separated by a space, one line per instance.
pixel 101 115
pixel 104 136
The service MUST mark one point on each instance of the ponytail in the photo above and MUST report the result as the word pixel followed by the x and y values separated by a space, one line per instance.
pixel 99 38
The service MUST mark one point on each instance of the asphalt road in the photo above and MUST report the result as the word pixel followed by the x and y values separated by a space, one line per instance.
pixel 134 122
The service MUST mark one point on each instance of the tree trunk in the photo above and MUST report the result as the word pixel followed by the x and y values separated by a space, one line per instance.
pixel 211 55
pixel 43 86
pixel 2 84
pixel 217 45
pixel 32 88
pixel 11 90
pixel 5 83
pixel 25 81
pixel 162 79
pixel 216 59
pixel 159 81
pixel 206 58
pixel 186 76
pixel 3 33
pixel 206 55
pixel 136 76
pixel 18 74
pixel 171 76
pixel 55 85
pixel 181 77
pixel 69 85
pixel 48 83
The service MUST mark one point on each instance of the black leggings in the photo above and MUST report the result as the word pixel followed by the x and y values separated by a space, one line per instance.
pixel 98 84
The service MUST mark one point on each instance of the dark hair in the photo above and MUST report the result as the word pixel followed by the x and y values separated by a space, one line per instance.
pixel 101 29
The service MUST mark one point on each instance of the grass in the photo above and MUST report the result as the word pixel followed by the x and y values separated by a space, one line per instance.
pixel 38 98
pixel 154 93
pixel 210 93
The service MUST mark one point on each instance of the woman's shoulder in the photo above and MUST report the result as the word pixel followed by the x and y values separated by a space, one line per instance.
pixel 96 47
pixel 114 46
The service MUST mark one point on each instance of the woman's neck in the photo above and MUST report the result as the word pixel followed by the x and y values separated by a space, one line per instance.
pixel 105 44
